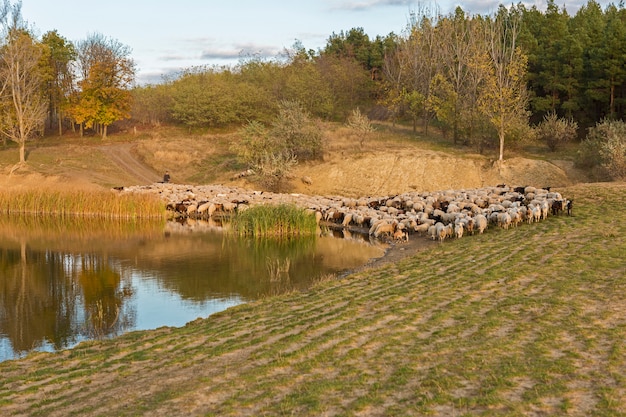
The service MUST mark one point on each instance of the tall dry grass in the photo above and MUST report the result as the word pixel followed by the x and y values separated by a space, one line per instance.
pixel 103 204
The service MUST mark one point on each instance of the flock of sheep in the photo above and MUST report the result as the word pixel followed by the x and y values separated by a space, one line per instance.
pixel 438 215
pixel 447 214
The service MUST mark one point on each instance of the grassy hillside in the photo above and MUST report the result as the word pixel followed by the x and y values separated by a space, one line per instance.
pixel 527 322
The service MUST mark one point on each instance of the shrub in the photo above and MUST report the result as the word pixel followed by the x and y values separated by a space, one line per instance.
pixel 555 131
pixel 280 221
pixel 272 152
pixel 604 148
pixel 360 124
pixel 613 154
pixel 297 132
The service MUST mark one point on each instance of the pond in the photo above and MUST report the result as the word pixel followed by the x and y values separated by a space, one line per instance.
pixel 63 282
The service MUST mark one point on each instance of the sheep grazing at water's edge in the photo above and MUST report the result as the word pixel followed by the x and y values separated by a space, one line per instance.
pixel 438 215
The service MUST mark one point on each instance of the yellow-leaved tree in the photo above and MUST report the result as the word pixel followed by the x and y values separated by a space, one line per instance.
pixel 503 97
pixel 107 74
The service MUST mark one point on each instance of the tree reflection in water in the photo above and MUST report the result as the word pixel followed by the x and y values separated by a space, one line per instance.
pixel 64 282
pixel 42 295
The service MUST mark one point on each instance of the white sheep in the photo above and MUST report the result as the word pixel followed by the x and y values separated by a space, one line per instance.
pixel 422 228
pixel 480 223
pixel 432 231
pixel 440 231
pixel 347 219
pixel 458 230
pixel 516 216
pixel 504 220
pixel 385 228
pixel 545 208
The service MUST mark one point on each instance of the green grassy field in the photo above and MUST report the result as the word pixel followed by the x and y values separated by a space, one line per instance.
pixel 525 322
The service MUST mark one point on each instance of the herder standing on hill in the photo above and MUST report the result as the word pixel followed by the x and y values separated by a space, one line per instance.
pixel 166 177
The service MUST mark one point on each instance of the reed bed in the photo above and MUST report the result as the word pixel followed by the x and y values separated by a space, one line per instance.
pixel 279 221
pixel 101 204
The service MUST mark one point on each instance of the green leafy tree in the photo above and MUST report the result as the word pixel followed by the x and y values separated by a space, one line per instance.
pixel 548 60
pixel 443 102
pixel 614 56
pixel 347 81
pixel 268 155
pixel 356 45
pixel 590 25
pixel 305 84
pixel 203 98
pixel 411 66
pixel 151 104
pixel 452 96
pixel 216 97
pixel 298 131
pixel 59 55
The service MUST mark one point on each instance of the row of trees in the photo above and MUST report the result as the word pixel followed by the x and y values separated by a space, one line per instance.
pixel 326 85
pixel 477 78
pixel 467 74
pixel 50 81
pixel 577 64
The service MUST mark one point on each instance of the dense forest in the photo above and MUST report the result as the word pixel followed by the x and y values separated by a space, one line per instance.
pixel 518 74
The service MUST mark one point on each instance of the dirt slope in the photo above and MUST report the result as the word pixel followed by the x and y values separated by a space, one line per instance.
pixel 382 169
pixel 126 160
pixel 394 171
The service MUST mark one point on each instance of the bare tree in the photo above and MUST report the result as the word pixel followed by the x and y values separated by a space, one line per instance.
pixel 457 44
pixel 22 104
pixel 412 66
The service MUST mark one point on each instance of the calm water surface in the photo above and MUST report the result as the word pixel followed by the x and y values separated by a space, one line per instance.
pixel 63 282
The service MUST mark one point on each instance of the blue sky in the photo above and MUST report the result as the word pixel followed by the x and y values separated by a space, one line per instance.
pixel 166 36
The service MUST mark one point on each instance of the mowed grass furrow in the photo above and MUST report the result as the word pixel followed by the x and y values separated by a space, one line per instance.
pixel 529 321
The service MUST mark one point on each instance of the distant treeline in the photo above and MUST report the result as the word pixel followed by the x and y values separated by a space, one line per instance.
pixel 441 70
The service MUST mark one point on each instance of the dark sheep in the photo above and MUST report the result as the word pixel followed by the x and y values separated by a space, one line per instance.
pixel 338 216
pixel 557 207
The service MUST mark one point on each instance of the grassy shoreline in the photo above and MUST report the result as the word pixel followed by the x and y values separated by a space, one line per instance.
pixel 529 321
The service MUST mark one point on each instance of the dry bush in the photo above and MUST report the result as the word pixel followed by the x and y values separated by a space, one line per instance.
pixel 604 149
pixel 360 125
pixel 555 131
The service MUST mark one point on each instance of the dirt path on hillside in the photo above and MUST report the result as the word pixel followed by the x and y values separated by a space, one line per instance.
pixel 123 156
